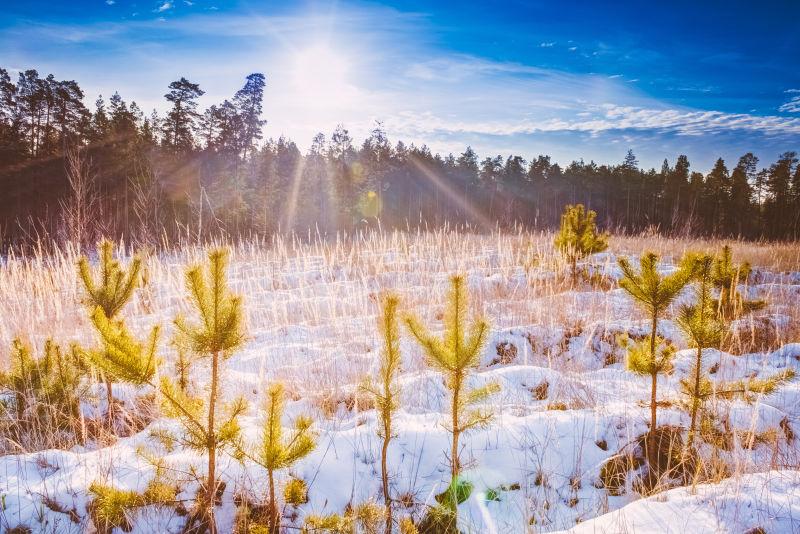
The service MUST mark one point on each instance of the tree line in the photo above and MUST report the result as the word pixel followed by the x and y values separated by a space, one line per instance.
pixel 75 173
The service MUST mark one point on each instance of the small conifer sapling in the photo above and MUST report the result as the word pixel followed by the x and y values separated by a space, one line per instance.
pixel 654 293
pixel 46 389
pixel 578 236
pixel 109 288
pixel 208 429
pixel 700 325
pixel 277 452
pixel 727 276
pixel 218 333
pixel 456 354
pixel 385 392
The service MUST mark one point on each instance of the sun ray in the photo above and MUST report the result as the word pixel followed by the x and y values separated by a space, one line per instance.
pixel 457 198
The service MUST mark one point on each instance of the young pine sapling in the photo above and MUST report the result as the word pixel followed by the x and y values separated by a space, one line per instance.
pixel 700 325
pixel 109 288
pixel 578 236
pixel 45 389
pixel 654 293
pixel 726 277
pixel 219 332
pixel 456 354
pixel 276 452
pixel 385 391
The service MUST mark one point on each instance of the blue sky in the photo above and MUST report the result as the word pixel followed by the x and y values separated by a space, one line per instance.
pixel 579 79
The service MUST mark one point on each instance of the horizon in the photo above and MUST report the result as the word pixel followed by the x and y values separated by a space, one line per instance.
pixel 589 83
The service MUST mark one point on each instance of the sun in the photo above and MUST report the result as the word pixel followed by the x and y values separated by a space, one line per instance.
pixel 320 74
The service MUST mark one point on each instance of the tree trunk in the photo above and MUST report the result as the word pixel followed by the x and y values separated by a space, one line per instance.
pixel 653 402
pixel 274 518
pixel 211 484
pixel 455 467
pixel 652 445
pixel 110 401
pixel 387 500
pixel 695 399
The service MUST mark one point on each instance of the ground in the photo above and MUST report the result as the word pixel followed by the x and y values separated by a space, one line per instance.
pixel 566 403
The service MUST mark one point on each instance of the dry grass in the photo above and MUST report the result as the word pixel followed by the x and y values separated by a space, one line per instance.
pixel 311 308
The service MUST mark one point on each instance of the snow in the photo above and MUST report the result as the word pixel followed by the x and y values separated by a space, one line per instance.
pixel 312 324
pixel 769 501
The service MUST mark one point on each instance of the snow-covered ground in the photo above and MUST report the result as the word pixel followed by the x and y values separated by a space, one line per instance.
pixel 565 407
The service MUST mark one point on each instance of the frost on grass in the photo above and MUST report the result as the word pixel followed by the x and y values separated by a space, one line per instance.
pixel 565 408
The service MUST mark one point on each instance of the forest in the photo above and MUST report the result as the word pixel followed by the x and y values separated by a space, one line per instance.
pixel 71 173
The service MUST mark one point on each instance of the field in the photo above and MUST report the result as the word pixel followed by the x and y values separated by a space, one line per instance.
pixel 566 403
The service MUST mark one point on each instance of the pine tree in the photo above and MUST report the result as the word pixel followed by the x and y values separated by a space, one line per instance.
pixel 699 323
pixel 180 121
pixel 578 236
pixel 715 195
pixel 109 288
pixel 277 452
pixel 654 293
pixel 456 354
pixel 749 389
pixel 740 207
pixel 726 277
pixel 248 102
pixel 122 356
pixel 219 332
pixel 46 390
pixel 386 393
pixel 110 508
pixel 127 359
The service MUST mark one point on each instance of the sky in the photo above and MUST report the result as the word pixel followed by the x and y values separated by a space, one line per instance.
pixel 570 79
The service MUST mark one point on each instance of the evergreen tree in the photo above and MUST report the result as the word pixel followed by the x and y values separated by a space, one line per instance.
pixel 122 356
pixel 32 97
pixel 248 102
pixel 654 293
pixel 208 428
pixel 45 390
pixel 108 288
pixel 277 452
pixel 340 156
pixel 794 191
pixel 456 354
pixel 219 332
pixel 740 206
pixel 100 123
pixel 180 122
pixel 676 192
pixel 715 195
pixel 578 236
pixel 386 392
pixel 726 277
pixel 70 116
pixel 12 142
pixel 778 203
pixel 110 508
pixel 701 327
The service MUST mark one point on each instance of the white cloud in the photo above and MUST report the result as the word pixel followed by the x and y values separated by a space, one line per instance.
pixel 609 117
pixel 110 2
pixel 547 44
pixel 793 105
pixel 163 7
